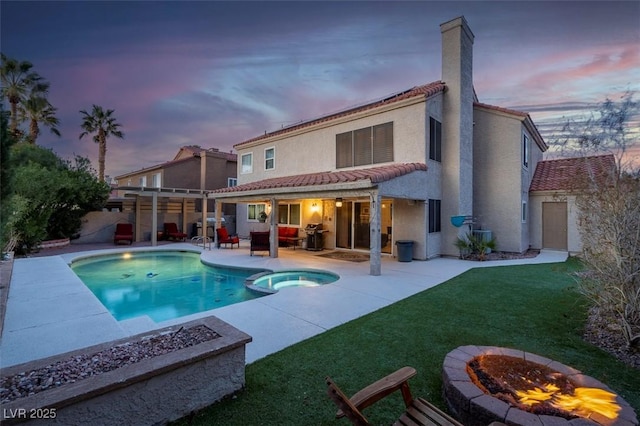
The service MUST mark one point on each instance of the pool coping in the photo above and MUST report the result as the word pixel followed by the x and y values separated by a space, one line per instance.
pixel 53 312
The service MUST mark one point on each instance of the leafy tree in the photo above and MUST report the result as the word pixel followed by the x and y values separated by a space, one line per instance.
pixel 18 80
pixel 37 109
pixel 104 125
pixel 608 209
pixel 51 195
pixel 6 170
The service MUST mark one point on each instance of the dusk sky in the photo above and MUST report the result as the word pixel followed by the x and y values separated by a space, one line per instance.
pixel 215 74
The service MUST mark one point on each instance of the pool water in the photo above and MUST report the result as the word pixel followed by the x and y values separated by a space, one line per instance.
pixel 275 281
pixel 162 284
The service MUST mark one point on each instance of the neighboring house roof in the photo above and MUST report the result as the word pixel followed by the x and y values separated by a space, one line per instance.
pixel 523 116
pixel 185 153
pixel 565 174
pixel 425 91
pixel 374 175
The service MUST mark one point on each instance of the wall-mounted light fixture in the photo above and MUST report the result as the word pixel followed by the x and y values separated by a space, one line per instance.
pixel 338 202
pixel 314 207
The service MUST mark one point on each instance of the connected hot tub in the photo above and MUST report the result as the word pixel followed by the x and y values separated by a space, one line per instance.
pixel 271 282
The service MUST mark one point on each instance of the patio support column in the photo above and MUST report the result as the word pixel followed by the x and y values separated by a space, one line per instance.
pixel 374 230
pixel 273 228
pixel 184 215
pixel 138 218
pixel 203 218
pixel 218 224
pixel 154 219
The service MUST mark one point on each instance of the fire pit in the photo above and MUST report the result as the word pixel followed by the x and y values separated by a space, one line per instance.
pixel 483 384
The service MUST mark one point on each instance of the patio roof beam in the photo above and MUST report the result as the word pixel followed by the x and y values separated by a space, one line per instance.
pixel 342 186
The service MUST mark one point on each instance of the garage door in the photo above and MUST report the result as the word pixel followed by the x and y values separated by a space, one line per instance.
pixel 554 225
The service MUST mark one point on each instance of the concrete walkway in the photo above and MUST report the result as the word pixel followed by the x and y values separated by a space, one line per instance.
pixel 50 311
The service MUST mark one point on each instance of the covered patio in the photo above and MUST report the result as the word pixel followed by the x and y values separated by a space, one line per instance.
pixel 320 195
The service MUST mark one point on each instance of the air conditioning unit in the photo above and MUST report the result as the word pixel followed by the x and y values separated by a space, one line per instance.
pixel 483 235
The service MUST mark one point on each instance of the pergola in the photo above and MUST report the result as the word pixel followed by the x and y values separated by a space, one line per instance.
pixel 154 194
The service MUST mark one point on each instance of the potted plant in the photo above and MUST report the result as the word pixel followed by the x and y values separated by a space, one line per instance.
pixel 262 217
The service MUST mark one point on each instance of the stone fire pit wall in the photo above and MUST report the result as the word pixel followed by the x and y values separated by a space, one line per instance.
pixel 152 391
pixel 470 405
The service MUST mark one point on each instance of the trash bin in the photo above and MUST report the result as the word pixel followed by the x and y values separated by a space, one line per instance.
pixel 405 250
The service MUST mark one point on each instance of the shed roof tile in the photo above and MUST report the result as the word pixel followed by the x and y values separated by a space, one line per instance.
pixel 564 174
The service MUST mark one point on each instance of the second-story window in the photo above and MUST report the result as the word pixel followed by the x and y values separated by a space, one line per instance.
pixel 232 182
pixel 435 139
pixel 247 163
pixel 269 158
pixel 525 150
pixel 156 180
pixel 143 181
pixel 369 145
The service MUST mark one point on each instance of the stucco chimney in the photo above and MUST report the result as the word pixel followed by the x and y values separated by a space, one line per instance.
pixel 457 127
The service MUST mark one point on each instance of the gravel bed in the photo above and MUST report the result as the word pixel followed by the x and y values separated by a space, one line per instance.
pixel 606 334
pixel 86 365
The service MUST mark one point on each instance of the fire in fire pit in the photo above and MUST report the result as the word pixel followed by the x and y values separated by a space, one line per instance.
pixel 539 389
pixel 483 384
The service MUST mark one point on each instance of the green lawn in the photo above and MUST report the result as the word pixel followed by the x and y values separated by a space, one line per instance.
pixel 535 308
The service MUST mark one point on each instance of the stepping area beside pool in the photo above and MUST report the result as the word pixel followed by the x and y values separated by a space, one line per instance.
pixel 50 311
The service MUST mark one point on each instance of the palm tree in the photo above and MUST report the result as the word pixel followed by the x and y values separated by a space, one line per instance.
pixel 37 109
pixel 103 125
pixel 17 82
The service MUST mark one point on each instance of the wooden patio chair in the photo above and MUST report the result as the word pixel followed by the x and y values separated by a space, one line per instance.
pixel 124 232
pixel 418 411
pixel 225 238
pixel 171 232
pixel 260 242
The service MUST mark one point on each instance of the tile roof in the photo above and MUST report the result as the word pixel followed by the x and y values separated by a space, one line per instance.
pixel 373 174
pixel 425 91
pixel 186 153
pixel 565 174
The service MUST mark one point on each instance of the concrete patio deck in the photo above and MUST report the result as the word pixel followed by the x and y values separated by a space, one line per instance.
pixel 50 311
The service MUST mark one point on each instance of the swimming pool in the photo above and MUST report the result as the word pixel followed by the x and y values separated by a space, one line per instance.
pixel 271 282
pixel 162 284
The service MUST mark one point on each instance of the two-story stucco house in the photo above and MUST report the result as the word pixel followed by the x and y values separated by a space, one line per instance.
pixel 192 167
pixel 174 191
pixel 398 168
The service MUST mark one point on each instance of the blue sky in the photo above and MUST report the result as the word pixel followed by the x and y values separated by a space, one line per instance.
pixel 215 73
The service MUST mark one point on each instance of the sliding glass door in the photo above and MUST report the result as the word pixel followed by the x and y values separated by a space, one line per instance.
pixel 353 227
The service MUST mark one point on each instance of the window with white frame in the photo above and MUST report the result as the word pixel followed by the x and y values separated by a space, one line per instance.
pixel 143 181
pixel 525 150
pixel 156 180
pixel 270 158
pixel 247 163
pixel 524 211
pixel 289 214
pixel 232 182
pixel 254 210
